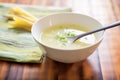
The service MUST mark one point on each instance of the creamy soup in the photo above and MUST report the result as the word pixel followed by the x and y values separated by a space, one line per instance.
pixel 55 36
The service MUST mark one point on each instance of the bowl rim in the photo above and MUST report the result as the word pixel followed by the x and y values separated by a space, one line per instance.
pixel 96 42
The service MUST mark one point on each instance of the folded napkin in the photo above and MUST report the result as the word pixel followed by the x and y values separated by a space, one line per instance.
pixel 18 45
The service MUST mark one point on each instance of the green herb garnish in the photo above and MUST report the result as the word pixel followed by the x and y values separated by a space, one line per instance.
pixel 62 37
pixel 70 34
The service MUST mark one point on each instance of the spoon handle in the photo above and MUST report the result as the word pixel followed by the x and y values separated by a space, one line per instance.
pixel 97 30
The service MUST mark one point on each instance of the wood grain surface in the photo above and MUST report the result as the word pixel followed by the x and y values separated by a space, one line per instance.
pixel 103 64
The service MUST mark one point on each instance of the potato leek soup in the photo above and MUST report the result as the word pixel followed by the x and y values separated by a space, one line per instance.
pixel 55 36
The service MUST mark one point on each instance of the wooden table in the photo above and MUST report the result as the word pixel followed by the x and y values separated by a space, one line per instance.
pixel 103 64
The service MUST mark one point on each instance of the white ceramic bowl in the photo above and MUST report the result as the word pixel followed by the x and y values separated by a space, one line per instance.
pixel 62 55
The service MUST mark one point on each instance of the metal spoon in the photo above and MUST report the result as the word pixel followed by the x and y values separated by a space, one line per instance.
pixel 74 38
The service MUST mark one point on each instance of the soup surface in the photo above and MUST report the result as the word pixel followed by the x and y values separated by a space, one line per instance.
pixel 55 36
